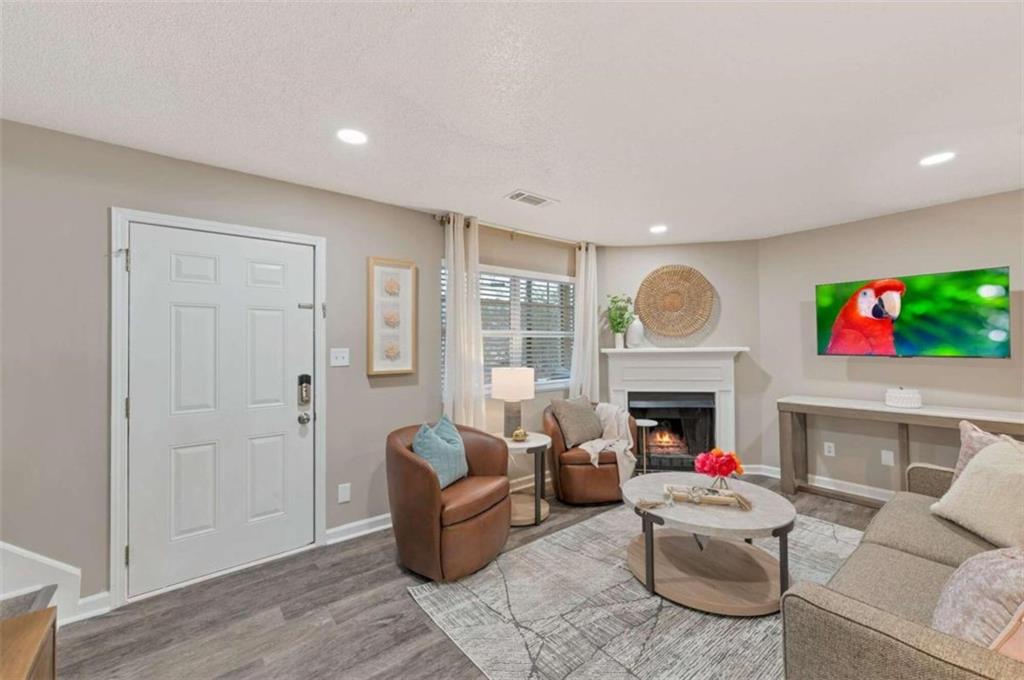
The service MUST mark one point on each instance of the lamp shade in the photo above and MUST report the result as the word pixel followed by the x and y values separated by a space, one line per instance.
pixel 512 384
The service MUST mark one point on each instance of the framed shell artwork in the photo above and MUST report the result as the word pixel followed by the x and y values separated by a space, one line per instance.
pixel 391 316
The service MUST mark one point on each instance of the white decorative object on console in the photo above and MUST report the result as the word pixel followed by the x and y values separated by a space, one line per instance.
pixel 683 370
pixel 899 397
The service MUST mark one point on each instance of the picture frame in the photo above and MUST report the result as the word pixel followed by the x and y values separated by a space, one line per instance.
pixel 391 322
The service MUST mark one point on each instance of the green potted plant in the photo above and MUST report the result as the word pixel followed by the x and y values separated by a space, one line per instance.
pixel 620 315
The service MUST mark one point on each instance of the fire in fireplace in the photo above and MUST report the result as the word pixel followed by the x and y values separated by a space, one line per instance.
pixel 663 440
pixel 686 426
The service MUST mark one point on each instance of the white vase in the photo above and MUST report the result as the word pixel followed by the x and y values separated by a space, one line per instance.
pixel 620 341
pixel 635 334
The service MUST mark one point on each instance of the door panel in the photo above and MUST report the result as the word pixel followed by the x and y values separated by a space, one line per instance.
pixel 220 472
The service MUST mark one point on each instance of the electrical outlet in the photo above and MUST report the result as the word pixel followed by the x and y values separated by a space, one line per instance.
pixel 339 356
pixel 830 449
pixel 888 457
pixel 344 493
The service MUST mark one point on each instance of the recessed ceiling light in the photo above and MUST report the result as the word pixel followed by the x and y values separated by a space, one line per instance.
pixel 350 136
pixel 659 229
pixel 937 158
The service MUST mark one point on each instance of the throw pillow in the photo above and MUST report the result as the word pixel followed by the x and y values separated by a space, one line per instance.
pixel 578 420
pixel 972 440
pixel 986 499
pixel 983 600
pixel 1011 641
pixel 442 447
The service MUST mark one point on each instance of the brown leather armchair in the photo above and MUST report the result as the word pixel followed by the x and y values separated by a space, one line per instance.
pixel 445 534
pixel 577 481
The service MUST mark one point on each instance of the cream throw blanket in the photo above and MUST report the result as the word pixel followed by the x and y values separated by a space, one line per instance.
pixel 616 437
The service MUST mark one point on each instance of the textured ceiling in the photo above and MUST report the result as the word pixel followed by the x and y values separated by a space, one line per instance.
pixel 723 121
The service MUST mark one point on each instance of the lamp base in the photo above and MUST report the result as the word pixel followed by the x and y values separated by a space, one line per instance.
pixel 513 417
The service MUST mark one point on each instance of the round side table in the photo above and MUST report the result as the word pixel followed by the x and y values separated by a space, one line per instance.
pixel 644 424
pixel 528 511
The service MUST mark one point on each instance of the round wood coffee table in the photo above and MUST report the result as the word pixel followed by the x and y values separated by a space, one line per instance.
pixel 702 557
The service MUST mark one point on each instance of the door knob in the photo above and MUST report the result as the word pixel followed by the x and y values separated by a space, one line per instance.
pixel 304 419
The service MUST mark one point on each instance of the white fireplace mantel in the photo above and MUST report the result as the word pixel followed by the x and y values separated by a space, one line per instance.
pixel 679 369
pixel 730 351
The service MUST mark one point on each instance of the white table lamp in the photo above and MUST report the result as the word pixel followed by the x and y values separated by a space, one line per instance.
pixel 513 386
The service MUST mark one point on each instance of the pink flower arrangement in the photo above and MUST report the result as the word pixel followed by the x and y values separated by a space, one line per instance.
pixel 718 463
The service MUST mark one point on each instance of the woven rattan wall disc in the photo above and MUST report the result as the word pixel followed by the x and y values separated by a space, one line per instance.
pixel 675 301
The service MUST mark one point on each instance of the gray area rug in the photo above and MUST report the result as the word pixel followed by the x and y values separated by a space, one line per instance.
pixel 566 607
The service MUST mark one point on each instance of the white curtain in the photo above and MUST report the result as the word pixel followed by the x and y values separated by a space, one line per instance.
pixel 584 377
pixel 464 344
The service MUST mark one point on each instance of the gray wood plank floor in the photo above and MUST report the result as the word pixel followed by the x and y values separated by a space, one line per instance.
pixel 341 611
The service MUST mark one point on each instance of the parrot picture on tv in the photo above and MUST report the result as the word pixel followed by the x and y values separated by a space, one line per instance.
pixel 951 314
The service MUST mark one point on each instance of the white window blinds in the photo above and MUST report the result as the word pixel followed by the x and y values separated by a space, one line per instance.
pixel 527 320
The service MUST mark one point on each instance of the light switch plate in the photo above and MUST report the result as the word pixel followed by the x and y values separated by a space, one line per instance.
pixel 829 449
pixel 888 457
pixel 339 356
pixel 344 493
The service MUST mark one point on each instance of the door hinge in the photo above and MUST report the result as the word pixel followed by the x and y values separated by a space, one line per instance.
pixel 323 307
pixel 127 408
pixel 126 556
pixel 127 259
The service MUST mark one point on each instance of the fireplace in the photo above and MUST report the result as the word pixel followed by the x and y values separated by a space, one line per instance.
pixel 686 426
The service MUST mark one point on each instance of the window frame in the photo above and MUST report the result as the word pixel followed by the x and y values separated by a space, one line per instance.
pixel 542 385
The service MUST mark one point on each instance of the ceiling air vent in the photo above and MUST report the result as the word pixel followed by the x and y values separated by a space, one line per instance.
pixel 529 199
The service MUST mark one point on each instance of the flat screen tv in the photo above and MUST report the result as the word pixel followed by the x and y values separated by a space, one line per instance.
pixel 952 314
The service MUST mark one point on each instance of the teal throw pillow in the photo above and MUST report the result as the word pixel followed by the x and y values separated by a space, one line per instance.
pixel 441 446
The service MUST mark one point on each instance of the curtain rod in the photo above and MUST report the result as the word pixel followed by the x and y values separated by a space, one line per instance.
pixel 443 219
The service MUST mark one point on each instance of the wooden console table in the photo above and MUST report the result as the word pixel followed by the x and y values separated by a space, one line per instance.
pixel 28 646
pixel 793 412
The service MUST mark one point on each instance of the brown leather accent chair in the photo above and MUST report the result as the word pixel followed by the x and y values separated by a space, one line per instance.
pixel 577 481
pixel 445 534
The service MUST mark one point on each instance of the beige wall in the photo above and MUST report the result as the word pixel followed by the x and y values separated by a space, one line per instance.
pixel 987 231
pixel 518 251
pixel 57 191
pixel 732 270
pixel 765 299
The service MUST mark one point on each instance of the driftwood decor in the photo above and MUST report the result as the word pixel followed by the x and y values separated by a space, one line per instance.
pixel 675 301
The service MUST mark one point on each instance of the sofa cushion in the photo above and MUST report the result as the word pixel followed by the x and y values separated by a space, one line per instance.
pixel 581 457
pixel 987 498
pixel 893 581
pixel 906 523
pixel 577 419
pixel 470 496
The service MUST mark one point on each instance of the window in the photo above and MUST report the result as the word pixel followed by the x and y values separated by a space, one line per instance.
pixel 527 320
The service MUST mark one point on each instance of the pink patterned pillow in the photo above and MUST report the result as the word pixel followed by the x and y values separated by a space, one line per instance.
pixel 972 440
pixel 981 600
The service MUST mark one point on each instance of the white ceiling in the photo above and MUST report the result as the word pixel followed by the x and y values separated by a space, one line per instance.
pixel 723 121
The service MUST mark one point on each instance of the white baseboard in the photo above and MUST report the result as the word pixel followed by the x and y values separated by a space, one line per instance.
pixel 88 607
pixel 346 532
pixel 766 470
pixel 851 487
pixel 827 483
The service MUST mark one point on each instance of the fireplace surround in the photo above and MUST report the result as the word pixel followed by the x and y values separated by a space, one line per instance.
pixel 698 378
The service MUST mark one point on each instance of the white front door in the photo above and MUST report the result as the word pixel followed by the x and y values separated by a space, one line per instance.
pixel 220 463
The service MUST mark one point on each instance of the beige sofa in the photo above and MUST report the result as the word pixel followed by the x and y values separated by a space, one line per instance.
pixel 873 619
